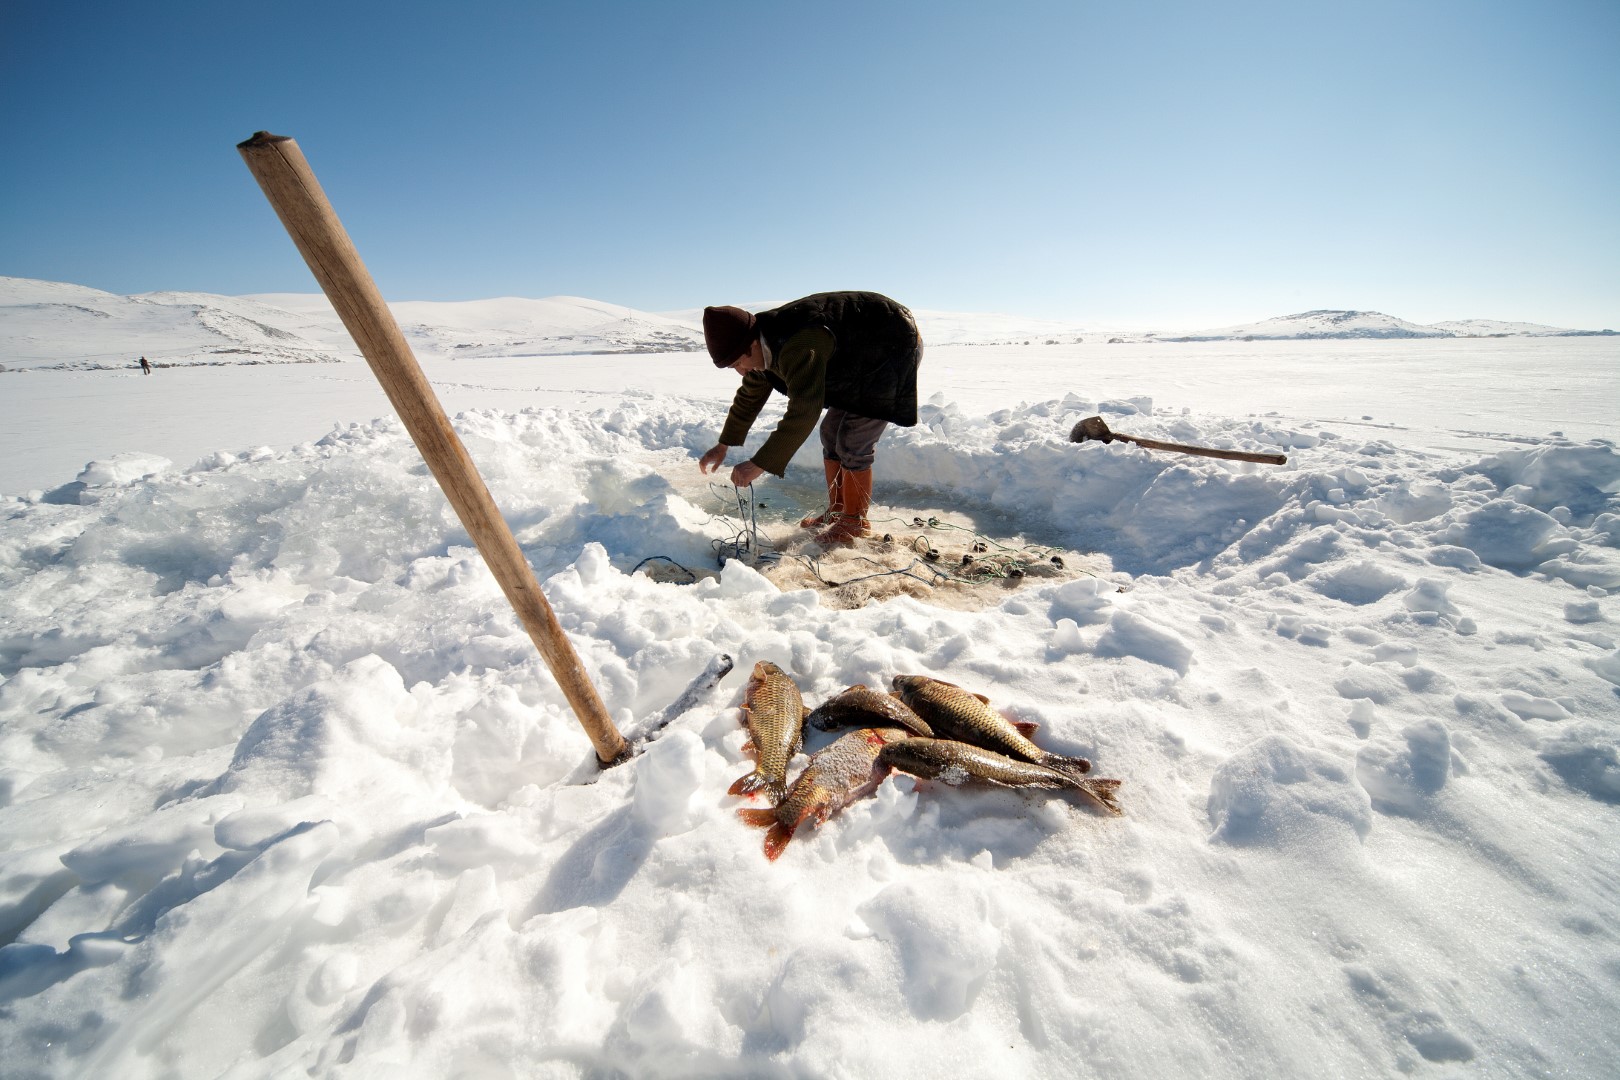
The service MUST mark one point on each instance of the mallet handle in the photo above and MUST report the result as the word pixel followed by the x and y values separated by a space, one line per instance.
pixel 290 185
pixel 1204 451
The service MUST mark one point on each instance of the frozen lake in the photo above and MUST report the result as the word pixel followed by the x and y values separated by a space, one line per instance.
pixel 1452 394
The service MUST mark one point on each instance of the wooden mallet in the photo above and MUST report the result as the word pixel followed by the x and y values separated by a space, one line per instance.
pixel 1093 428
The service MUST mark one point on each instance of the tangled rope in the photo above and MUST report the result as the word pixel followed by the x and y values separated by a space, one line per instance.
pixel 746 544
pixel 984 560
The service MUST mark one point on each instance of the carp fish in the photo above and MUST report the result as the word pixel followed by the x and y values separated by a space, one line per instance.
pixel 956 713
pixel 953 762
pixel 860 706
pixel 836 776
pixel 774 713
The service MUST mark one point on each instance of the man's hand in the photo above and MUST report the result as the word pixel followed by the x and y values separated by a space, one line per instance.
pixel 746 473
pixel 713 458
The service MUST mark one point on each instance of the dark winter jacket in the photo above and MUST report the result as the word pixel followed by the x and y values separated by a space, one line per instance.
pixel 857 351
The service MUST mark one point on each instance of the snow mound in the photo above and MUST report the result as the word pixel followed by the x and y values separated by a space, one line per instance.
pixel 286 790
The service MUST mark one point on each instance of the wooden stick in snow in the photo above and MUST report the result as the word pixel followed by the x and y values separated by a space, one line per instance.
pixel 290 185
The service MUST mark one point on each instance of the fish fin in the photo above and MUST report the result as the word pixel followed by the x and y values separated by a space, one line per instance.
pixel 1026 728
pixel 857 686
pixel 747 784
pixel 748 746
pixel 1102 792
pixel 803 712
pixel 1075 767
pixel 760 819
pixel 776 840
pixel 981 697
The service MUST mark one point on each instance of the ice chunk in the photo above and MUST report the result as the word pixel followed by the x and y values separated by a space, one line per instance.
pixel 1587 757
pixel 1429 596
pixel 1583 611
pixel 252 828
pixel 1370 683
pixel 1277 793
pixel 123 468
pixel 1530 707
pixel 668 776
pixel 1508 534
pixel 1606 666
pixel 348 738
pixel 152 845
pixel 1084 600
pixel 1066 637
pixel 738 579
pixel 1581 478
pixel 1359 583
pixel 1399 779
pixel 1129 634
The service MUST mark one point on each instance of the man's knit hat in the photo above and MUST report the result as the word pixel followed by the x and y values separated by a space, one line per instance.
pixel 729 332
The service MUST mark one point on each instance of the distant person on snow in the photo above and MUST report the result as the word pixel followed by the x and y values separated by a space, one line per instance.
pixel 855 354
pixel 146 369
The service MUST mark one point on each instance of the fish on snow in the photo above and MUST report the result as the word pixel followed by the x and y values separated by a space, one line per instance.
pixel 960 714
pixel 861 706
pixel 953 762
pixel 774 713
pixel 838 775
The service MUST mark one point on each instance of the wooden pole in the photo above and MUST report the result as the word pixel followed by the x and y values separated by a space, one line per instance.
pixel 290 185
pixel 1204 451
pixel 1096 428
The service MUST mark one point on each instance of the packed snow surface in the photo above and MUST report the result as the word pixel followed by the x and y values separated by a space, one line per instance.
pixel 285 790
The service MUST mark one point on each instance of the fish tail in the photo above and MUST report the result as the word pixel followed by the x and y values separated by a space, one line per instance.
pixel 776 840
pixel 747 784
pixel 1102 792
pixel 756 782
pixel 758 818
pixel 1069 766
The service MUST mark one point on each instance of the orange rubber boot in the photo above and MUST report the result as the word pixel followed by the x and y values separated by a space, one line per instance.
pixel 851 521
pixel 835 496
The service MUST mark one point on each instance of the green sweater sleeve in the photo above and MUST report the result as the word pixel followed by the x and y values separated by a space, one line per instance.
pixel 802 366
pixel 751 397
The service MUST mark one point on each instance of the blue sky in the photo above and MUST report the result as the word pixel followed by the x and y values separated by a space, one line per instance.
pixel 1174 164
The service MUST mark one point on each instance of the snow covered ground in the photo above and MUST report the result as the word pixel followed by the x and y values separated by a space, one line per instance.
pixel 284 789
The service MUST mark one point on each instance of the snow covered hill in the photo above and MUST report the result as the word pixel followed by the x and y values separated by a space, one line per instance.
pixel 1321 324
pixel 46 324
pixel 1498 328
pixel 515 326
pixel 1317 325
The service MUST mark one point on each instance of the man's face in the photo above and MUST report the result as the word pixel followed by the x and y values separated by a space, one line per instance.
pixel 752 360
